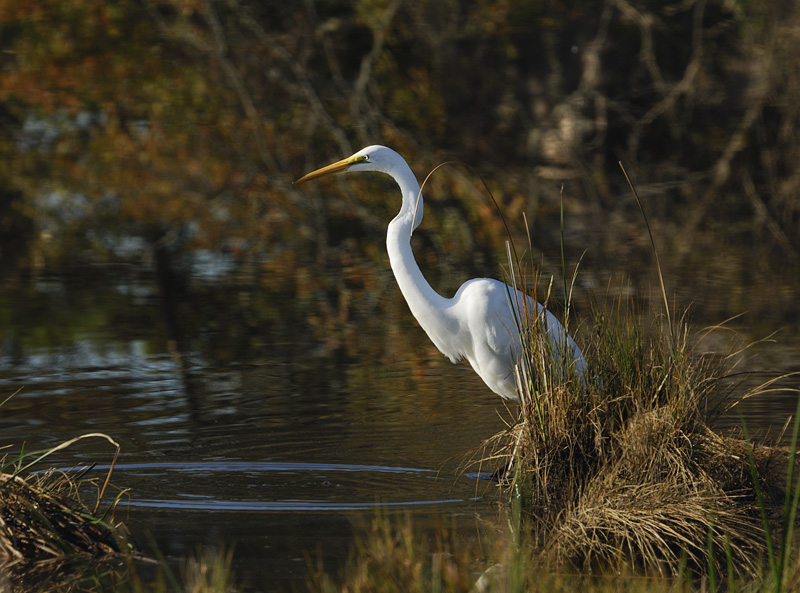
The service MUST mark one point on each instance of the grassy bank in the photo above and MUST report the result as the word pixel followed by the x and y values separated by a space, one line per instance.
pixel 626 471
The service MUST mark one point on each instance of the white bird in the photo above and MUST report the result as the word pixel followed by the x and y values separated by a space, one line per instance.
pixel 478 323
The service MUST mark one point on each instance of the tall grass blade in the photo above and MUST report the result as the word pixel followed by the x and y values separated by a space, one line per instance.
pixel 485 186
pixel 774 564
pixel 712 577
pixel 564 264
pixel 792 499
pixel 655 251
pixel 2 403
pixel 730 565
pixel 522 320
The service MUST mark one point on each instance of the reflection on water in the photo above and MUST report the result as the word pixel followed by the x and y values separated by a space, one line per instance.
pixel 239 423
pixel 233 428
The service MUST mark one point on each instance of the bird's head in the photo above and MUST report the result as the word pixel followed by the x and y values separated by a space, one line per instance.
pixel 371 158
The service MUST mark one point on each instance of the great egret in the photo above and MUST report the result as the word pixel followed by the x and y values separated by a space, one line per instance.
pixel 478 323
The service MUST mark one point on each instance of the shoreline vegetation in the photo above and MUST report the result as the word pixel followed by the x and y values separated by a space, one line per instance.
pixel 619 469
pixel 48 531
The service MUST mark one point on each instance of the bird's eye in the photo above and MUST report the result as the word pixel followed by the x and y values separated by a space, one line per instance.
pixel 363 158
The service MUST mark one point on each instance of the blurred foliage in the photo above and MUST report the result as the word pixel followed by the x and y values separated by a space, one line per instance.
pixel 183 123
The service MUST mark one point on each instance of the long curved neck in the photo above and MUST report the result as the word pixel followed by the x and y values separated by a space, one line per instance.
pixel 428 306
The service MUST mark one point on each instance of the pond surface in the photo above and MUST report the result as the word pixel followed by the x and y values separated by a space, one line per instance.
pixel 239 425
pixel 281 452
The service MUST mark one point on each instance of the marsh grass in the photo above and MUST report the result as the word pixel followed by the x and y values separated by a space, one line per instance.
pixel 783 574
pixel 619 469
pixel 392 556
pixel 207 570
pixel 51 537
pixel 624 471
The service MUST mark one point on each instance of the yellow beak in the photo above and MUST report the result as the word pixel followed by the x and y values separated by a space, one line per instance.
pixel 342 165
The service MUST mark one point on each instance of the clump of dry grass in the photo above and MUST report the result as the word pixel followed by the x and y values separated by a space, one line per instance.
pixel 51 541
pixel 622 470
pixel 49 537
pixel 619 467
pixel 42 518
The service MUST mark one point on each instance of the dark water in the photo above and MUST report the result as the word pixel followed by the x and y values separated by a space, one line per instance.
pixel 282 450
pixel 240 425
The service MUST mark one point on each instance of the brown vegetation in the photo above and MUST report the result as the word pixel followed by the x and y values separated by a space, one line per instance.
pixel 42 519
pixel 626 473
pixel 49 540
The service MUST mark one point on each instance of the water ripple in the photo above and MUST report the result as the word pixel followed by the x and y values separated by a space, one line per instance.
pixel 259 486
pixel 280 505
pixel 262 466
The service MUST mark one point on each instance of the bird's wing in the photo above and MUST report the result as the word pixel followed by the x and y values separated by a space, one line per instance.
pixel 485 311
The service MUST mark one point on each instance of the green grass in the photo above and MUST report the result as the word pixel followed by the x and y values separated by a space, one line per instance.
pixel 781 575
